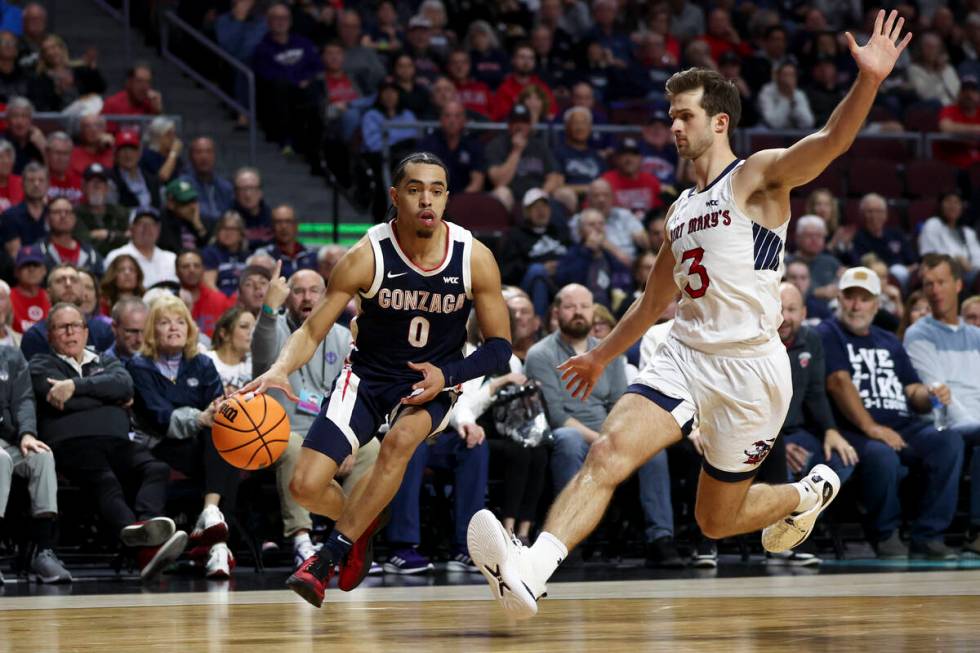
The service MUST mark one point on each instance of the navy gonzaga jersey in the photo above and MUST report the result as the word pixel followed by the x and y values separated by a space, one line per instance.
pixel 410 314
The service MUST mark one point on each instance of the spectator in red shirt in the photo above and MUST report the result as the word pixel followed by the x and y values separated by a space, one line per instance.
pixel 632 189
pixel 962 118
pixel 11 186
pixel 522 66
pixel 61 246
pixel 95 145
pixel 29 300
pixel 206 303
pixel 474 95
pixel 138 97
pixel 62 180
pixel 721 36
pixel 339 89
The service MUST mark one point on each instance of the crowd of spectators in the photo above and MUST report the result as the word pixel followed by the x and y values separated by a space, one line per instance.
pixel 130 261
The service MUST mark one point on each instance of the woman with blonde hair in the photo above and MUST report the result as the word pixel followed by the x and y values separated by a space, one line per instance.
pixel 821 202
pixel 178 392
pixel 58 81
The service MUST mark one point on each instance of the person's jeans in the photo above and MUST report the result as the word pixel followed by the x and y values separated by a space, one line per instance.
pixel 568 456
pixel 971 441
pixel 814 445
pixel 469 487
pixel 538 285
pixel 940 453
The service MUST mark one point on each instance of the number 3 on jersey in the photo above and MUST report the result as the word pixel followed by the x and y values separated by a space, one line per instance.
pixel 418 331
pixel 695 255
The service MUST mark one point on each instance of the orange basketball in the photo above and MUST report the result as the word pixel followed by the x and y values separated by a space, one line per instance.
pixel 250 434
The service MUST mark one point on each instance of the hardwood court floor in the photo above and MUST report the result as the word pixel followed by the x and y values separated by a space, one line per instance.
pixel 887 613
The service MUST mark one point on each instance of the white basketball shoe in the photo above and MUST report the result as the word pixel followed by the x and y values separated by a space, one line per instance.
pixel 791 531
pixel 506 564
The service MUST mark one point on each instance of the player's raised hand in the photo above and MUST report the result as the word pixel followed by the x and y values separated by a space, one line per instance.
pixel 425 390
pixel 273 378
pixel 580 374
pixel 877 57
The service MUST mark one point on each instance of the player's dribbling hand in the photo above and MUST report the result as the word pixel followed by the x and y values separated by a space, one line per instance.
pixel 877 57
pixel 425 390
pixel 272 379
pixel 580 374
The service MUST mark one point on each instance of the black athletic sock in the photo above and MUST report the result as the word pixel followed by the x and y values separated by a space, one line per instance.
pixel 43 532
pixel 337 546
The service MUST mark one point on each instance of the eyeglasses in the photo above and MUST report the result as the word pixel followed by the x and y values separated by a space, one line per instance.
pixel 68 327
pixel 132 332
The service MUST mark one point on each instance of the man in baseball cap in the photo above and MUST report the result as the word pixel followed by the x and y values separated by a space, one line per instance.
pixel 181 223
pixel 28 299
pixel 876 393
pixel 99 222
pixel 136 186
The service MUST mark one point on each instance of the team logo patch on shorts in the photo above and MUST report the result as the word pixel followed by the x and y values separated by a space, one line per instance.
pixel 757 453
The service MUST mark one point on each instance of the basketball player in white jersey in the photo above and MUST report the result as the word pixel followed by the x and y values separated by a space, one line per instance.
pixel 723 364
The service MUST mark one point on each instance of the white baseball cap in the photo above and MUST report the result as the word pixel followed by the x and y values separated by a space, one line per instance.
pixel 861 277
pixel 533 196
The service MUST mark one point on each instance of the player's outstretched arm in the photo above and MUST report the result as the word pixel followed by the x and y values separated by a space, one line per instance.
pixel 806 159
pixel 353 272
pixel 494 320
pixel 582 372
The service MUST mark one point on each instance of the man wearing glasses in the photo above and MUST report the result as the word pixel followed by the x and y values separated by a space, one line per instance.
pixel 82 399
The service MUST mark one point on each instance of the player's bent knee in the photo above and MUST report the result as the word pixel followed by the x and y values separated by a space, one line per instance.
pixel 607 464
pixel 713 525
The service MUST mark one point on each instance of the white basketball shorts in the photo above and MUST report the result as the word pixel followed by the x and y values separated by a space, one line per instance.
pixel 739 403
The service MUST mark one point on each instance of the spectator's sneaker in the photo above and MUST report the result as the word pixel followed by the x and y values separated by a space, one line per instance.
pixel 152 532
pixel 792 530
pixel 462 562
pixel 46 568
pixel 892 548
pixel 210 528
pixel 931 550
pixel 302 551
pixel 662 553
pixel 793 559
pixel 408 561
pixel 310 580
pixel 376 569
pixel 506 564
pixel 355 567
pixel 706 555
pixel 972 547
pixel 220 562
pixel 154 559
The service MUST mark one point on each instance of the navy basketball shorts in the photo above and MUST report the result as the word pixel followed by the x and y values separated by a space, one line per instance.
pixel 359 406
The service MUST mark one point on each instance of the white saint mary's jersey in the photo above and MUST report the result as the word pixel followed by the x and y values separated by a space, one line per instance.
pixel 728 269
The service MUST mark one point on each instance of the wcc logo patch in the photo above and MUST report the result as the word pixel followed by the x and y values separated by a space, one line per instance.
pixel 758 451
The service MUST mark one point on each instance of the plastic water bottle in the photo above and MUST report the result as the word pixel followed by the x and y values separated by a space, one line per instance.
pixel 940 411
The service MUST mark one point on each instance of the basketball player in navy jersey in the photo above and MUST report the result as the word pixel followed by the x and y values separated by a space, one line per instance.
pixel 723 364
pixel 416 278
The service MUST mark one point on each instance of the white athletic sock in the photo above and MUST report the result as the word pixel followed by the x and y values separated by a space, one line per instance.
pixel 808 498
pixel 299 538
pixel 547 552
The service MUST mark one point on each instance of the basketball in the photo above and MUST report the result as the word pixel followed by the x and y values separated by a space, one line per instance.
pixel 250 434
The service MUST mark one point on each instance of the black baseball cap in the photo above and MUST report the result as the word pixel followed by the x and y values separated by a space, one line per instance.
pixel 95 170
pixel 628 145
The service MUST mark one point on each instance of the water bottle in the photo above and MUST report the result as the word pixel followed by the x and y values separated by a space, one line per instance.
pixel 940 411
